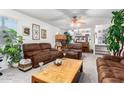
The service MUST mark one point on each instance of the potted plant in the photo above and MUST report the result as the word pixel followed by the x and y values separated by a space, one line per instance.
pixel 69 37
pixel 12 46
pixel 115 36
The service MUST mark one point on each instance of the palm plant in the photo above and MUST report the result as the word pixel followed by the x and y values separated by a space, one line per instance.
pixel 115 36
pixel 12 45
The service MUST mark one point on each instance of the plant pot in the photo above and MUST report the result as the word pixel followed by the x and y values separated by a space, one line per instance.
pixel 4 64
pixel 15 65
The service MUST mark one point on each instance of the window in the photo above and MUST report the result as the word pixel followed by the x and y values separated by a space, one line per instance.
pixel 6 23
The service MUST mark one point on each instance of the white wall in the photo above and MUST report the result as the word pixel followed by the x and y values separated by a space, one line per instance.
pixel 27 21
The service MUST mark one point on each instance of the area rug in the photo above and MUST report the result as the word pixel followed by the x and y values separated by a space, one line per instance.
pixel 89 75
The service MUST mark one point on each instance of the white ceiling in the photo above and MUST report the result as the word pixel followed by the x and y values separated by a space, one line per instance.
pixel 62 17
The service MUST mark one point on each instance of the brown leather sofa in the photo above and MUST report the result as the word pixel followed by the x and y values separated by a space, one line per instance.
pixel 74 51
pixel 110 69
pixel 40 52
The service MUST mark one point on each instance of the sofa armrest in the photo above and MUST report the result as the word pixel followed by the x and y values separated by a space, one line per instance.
pixel 113 58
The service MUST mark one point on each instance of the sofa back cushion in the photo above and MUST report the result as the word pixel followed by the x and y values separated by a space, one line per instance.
pixel 45 46
pixel 31 53
pixel 31 47
pixel 75 46
pixel 113 58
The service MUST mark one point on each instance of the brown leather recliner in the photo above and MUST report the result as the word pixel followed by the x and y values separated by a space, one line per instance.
pixel 110 70
pixel 74 51
pixel 40 52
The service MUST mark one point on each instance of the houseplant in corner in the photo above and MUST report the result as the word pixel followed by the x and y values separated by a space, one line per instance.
pixel 12 46
pixel 115 36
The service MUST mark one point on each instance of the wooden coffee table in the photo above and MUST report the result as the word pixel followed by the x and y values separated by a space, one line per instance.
pixel 65 73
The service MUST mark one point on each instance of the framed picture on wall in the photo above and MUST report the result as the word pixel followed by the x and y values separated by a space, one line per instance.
pixel 26 31
pixel 43 33
pixel 35 32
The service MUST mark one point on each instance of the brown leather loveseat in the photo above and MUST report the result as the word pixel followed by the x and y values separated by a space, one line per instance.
pixel 40 52
pixel 110 69
pixel 74 51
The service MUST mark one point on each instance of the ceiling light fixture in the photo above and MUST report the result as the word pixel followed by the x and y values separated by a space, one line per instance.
pixel 75 23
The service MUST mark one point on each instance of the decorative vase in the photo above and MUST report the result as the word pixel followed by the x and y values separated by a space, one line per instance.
pixel 58 62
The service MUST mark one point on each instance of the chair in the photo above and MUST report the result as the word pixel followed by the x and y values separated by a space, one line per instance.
pixel 74 51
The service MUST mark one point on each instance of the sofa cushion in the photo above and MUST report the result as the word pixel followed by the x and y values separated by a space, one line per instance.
pixel 55 53
pixel 104 68
pixel 119 74
pixel 101 62
pixel 32 53
pixel 106 74
pixel 72 54
pixel 75 50
pixel 111 80
pixel 53 49
pixel 45 50
pixel 122 61
pixel 116 68
pixel 113 58
pixel 114 64
pixel 31 47
pixel 41 57
pixel 75 46
pixel 45 46
pixel 109 63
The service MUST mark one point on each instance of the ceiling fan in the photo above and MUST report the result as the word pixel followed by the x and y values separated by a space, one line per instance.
pixel 76 22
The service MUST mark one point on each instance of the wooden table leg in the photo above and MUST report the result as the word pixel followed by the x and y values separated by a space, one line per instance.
pixel 1 74
pixel 81 68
